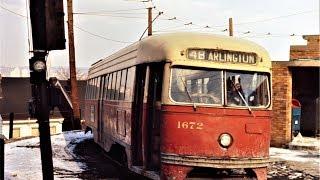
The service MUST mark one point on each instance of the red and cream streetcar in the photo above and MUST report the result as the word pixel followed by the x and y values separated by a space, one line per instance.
pixel 173 106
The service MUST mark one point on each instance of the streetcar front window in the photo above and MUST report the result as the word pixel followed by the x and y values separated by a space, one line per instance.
pixel 247 89
pixel 220 87
pixel 196 86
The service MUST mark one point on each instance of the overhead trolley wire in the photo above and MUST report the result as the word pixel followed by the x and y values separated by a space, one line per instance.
pixel 102 37
pixel 107 15
pixel 113 11
pixel 2 7
pixel 277 17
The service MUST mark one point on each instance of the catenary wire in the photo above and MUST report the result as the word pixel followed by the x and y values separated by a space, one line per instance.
pixel 102 37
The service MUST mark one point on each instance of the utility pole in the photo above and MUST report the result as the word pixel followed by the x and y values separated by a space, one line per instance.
pixel 150 21
pixel 230 27
pixel 72 65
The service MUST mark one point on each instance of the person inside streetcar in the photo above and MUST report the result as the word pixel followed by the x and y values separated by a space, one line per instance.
pixel 235 94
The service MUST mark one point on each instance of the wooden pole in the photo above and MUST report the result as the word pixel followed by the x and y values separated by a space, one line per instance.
pixel 230 27
pixel 72 66
pixel 11 117
pixel 150 21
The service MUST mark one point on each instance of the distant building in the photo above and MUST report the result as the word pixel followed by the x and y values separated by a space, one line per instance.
pixel 20 72
pixel 17 94
pixel 62 73
pixel 296 79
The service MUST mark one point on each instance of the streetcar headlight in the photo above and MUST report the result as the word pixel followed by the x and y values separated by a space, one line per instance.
pixel 225 140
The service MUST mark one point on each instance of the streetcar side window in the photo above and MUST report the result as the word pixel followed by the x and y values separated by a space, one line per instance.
pixel 117 90
pixel 123 84
pixel 87 90
pixel 106 81
pixel 97 85
pixel 102 89
pixel 109 86
pixel 92 88
pixel 94 92
pixel 128 95
pixel 113 87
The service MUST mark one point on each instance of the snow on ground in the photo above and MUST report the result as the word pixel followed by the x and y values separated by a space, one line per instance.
pixel 23 160
pixel 295 155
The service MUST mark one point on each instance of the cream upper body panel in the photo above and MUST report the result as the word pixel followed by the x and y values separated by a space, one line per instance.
pixel 173 48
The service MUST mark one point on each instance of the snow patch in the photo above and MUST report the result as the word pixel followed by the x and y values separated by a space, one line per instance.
pixel 295 155
pixel 23 160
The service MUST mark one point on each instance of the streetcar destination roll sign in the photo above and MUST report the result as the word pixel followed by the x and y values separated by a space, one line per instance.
pixel 222 56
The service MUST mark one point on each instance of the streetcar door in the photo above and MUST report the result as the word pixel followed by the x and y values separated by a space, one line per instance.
pixel 152 126
pixel 146 126
pixel 138 109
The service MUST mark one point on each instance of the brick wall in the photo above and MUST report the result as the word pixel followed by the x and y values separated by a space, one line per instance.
pixel 282 95
pixel 309 51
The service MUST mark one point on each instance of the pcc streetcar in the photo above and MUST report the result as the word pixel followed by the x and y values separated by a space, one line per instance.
pixel 175 105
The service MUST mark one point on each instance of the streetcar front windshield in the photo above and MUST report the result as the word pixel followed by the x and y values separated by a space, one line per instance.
pixel 196 86
pixel 247 89
pixel 220 87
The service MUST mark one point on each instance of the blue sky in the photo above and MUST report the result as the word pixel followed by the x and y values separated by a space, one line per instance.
pixel 279 18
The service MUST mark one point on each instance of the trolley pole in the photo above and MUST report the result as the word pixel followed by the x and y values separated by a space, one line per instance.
pixel 150 21
pixel 72 65
pixel 230 27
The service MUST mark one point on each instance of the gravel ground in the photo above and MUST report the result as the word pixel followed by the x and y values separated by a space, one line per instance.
pixel 99 165
pixel 291 170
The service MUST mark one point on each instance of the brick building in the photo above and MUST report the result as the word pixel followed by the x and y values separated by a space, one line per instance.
pixel 296 79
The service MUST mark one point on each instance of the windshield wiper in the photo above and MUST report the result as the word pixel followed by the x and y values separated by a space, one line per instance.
pixel 243 99
pixel 188 93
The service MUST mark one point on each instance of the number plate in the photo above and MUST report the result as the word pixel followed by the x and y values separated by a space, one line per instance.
pixel 189 125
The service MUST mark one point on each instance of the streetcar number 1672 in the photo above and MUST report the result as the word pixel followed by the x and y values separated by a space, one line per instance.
pixel 190 125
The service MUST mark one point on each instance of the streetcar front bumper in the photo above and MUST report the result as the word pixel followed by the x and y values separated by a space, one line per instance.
pixel 214 162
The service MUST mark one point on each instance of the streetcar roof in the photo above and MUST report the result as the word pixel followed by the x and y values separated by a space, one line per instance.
pixel 172 48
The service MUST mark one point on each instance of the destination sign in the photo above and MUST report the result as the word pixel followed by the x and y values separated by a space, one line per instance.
pixel 222 56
